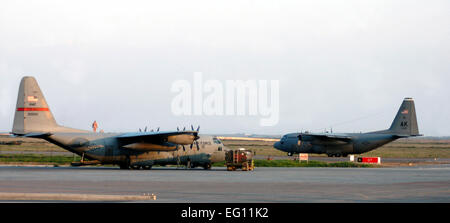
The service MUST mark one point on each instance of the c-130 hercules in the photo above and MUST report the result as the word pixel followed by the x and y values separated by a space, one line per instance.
pixel 403 126
pixel 33 118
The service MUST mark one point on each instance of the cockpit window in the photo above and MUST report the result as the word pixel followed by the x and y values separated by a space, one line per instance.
pixel 217 141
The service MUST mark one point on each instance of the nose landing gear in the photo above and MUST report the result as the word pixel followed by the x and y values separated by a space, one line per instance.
pixel 336 155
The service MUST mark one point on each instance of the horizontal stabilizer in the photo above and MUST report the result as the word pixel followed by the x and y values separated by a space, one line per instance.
pixel 37 134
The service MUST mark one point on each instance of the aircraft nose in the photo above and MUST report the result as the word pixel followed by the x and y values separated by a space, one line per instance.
pixel 277 145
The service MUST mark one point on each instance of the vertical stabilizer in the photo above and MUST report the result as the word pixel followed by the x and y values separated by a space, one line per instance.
pixel 405 123
pixel 32 114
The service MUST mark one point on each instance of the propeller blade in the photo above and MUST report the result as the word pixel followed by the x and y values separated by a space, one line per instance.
pixel 140 130
pixel 198 128
pixel 198 147
pixel 178 129
pixel 191 146
pixel 184 149
pixel 145 130
pixel 192 127
pixel 184 129
pixel 157 129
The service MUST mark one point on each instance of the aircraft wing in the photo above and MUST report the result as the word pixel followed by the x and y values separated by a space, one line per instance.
pixel 329 137
pixel 178 137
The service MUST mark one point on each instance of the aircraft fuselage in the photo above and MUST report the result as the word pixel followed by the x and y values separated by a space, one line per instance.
pixel 106 148
pixel 357 144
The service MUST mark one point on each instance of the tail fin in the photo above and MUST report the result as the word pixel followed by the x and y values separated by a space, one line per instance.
pixel 405 123
pixel 32 113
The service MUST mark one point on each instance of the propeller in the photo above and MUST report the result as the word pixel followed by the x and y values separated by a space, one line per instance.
pixel 196 137
pixel 145 130
pixel 197 131
pixel 196 144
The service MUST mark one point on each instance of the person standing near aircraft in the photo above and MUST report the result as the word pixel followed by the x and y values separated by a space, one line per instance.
pixel 94 126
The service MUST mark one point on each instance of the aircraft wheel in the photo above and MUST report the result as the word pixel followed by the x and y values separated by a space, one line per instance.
pixel 338 155
pixel 289 154
pixel 207 166
pixel 147 167
pixel 135 167
pixel 330 155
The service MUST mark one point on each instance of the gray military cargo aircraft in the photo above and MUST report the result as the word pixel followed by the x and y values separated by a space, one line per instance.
pixel 403 126
pixel 34 119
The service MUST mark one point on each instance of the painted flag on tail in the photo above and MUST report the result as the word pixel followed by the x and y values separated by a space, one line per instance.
pixel 32 99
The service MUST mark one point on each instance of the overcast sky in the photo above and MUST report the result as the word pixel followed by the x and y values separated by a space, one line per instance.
pixel 341 64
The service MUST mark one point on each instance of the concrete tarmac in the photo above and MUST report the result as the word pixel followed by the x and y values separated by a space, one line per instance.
pixel 429 183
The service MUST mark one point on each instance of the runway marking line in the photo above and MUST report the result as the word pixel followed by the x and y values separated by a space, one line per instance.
pixel 72 197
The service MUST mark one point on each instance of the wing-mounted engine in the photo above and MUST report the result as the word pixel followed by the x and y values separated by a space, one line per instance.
pixel 158 141
pixel 185 139
pixel 143 146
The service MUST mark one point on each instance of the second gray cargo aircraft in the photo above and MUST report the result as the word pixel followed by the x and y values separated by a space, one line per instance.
pixel 403 126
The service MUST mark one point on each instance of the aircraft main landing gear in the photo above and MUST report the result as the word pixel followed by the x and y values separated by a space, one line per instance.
pixel 207 166
pixel 135 167
pixel 336 155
